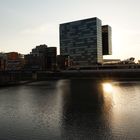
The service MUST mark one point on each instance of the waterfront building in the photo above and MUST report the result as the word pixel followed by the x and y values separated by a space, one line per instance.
pixel 82 41
pixel 42 57
pixel 107 40
pixel 62 62
pixel 37 60
pixel 51 58
pixel 40 50
pixel 2 61
pixel 14 61
pixel 111 61
pixel 32 62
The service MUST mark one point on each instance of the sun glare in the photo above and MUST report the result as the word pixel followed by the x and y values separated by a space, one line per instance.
pixel 107 87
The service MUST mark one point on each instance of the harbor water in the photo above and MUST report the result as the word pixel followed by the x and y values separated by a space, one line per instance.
pixel 71 110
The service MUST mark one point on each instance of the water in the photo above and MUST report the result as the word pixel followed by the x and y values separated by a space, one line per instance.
pixel 71 110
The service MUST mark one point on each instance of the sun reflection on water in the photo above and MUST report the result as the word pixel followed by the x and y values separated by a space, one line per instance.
pixel 107 87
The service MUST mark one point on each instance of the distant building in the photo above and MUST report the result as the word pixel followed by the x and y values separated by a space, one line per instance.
pixel 40 50
pixel 62 62
pixel 51 58
pixel 12 55
pixel 37 59
pixel 42 57
pixel 2 61
pixel 33 62
pixel 14 61
pixel 106 40
pixel 82 41
pixel 130 60
pixel 111 61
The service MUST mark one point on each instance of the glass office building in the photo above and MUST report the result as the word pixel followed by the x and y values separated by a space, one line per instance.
pixel 82 41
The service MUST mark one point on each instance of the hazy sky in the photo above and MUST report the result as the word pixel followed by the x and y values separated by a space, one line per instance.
pixel 27 23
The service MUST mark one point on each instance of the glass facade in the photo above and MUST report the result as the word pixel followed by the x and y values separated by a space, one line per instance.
pixel 82 41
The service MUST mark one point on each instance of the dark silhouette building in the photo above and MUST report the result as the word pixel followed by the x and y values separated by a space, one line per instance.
pixel 51 58
pixel 37 59
pixel 42 57
pixel 106 40
pixel 62 61
pixel 3 59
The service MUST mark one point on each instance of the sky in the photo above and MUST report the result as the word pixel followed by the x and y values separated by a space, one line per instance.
pixel 25 24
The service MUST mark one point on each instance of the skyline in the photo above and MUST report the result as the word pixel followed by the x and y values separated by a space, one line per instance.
pixel 26 24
